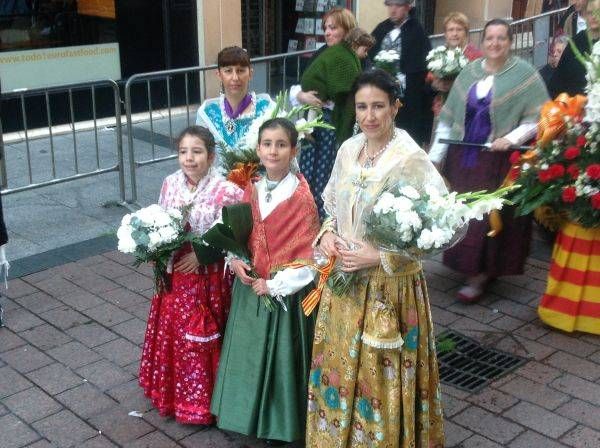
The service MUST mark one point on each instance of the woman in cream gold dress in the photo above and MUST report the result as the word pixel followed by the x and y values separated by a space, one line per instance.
pixel 374 375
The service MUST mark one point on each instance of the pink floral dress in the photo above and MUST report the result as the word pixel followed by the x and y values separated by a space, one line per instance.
pixel 178 373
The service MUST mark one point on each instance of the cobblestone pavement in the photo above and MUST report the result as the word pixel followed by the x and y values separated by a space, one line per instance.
pixel 69 358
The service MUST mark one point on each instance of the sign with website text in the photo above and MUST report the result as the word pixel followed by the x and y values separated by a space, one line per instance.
pixel 30 69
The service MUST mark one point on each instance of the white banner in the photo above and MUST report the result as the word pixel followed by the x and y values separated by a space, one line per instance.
pixel 30 69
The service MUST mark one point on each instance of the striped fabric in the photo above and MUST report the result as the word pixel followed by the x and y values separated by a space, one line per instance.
pixel 572 298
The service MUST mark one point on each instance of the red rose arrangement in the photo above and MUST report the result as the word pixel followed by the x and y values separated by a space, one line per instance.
pixel 563 174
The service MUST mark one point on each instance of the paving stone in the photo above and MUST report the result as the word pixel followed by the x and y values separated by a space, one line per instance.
pixel 455 434
pixel 525 348
pixel 131 396
pixel 453 405
pixel 533 330
pixel 135 282
pixel 483 333
pixel 120 427
pixel 539 419
pixel 26 358
pixel 86 400
pixel 533 392
pixel 123 297
pixel 64 317
pixel 95 284
pixel 81 300
pixel 104 374
pixel 57 287
pixel 512 292
pixel 577 387
pixel 64 429
pixel 92 334
pixel 493 400
pixel 487 424
pixel 214 438
pixel 54 378
pixel 474 311
pixel 20 319
pixel 140 310
pixel 9 340
pixel 577 366
pixel 531 439
pixel 169 426
pixel 97 442
pixel 108 314
pixel 569 344
pixel 120 351
pixel 154 440
pixel 507 323
pixel 32 404
pixel 119 257
pixel 454 392
pixel 443 317
pixel 514 309
pixel 15 433
pixel 18 288
pixel 45 337
pixel 591 338
pixel 110 269
pixel 41 444
pixel 133 329
pixel 479 442
pixel 581 412
pixel 582 437
pixel 440 282
pixel 539 372
pixel 11 382
pixel 595 357
pixel 74 354
pixel 38 302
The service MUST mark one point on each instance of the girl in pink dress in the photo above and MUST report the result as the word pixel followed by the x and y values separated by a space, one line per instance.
pixel 185 325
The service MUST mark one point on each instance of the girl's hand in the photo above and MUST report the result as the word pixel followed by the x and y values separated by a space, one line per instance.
pixel 187 264
pixel 241 269
pixel 501 144
pixel 309 97
pixel 364 256
pixel 260 287
pixel 330 243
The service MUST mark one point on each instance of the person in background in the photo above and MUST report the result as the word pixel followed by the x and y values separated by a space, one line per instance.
pixel 569 76
pixel 229 116
pixel 456 33
pixel 4 265
pixel 178 369
pixel 404 34
pixel 558 47
pixel 496 100
pixel 573 20
pixel 337 24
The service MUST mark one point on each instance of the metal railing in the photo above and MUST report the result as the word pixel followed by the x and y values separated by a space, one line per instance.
pixel 271 74
pixel 27 163
pixel 532 36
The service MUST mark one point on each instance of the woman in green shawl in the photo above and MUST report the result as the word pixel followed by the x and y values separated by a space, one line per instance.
pixel 495 100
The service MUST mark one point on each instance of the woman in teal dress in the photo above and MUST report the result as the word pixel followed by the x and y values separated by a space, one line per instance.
pixel 262 383
pixel 229 116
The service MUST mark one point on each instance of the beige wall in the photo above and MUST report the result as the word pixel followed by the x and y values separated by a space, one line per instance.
pixel 220 25
pixel 369 13
pixel 478 11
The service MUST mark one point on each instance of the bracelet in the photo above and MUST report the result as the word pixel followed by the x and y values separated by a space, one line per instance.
pixel 329 225
pixel 385 264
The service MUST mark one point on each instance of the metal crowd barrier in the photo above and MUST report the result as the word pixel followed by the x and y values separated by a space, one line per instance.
pixel 271 74
pixel 56 163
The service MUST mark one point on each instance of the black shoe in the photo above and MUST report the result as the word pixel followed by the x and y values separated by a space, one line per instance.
pixel 272 442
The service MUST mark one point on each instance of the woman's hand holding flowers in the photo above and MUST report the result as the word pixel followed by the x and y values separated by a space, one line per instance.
pixel 187 264
pixel 241 269
pixel 330 244
pixel 362 257
pixel 260 287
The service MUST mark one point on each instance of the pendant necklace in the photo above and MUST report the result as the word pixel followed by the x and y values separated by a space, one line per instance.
pixel 270 185
pixel 370 162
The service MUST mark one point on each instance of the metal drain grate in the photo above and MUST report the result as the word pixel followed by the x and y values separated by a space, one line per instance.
pixel 469 366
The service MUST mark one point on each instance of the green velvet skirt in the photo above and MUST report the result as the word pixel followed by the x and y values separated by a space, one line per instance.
pixel 262 383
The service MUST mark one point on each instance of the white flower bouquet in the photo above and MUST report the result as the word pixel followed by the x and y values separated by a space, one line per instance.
pixel 417 223
pixel 446 63
pixel 387 60
pixel 152 234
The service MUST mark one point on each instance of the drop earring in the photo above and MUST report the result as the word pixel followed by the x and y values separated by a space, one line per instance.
pixel 355 128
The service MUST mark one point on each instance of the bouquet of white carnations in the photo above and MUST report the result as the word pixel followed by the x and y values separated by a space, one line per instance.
pixel 152 234
pixel 416 223
pixel 446 63
pixel 387 60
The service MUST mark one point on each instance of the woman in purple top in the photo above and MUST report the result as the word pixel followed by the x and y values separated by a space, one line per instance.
pixel 494 100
